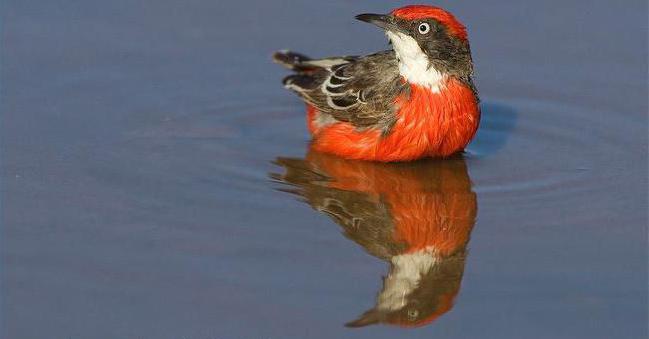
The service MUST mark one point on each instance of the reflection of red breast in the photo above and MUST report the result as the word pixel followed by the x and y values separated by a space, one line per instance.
pixel 432 208
pixel 417 216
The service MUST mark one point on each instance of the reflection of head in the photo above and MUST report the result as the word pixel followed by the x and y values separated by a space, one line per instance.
pixel 417 290
pixel 417 216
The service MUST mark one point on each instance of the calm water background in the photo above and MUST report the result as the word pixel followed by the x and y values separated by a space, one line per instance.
pixel 137 139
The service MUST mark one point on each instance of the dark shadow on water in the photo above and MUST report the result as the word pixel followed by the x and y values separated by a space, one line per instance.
pixel 496 125
pixel 416 216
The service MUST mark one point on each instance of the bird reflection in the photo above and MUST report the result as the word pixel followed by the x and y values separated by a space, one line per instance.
pixel 416 216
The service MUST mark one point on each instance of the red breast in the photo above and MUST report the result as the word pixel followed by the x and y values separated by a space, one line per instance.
pixel 428 124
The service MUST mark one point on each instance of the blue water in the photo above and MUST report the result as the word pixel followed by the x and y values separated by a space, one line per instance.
pixel 141 196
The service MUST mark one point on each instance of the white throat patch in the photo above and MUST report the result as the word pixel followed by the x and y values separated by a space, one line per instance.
pixel 413 62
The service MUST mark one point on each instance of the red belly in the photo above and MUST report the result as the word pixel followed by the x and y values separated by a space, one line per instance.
pixel 428 125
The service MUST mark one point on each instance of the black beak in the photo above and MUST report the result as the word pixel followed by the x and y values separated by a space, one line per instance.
pixel 370 317
pixel 384 21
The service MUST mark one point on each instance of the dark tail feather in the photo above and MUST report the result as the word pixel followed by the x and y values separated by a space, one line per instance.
pixel 299 82
pixel 293 61
pixel 306 69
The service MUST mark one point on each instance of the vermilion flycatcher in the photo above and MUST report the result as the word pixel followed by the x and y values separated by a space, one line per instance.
pixel 417 100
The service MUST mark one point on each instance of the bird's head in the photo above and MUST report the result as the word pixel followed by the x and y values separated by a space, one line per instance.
pixel 426 39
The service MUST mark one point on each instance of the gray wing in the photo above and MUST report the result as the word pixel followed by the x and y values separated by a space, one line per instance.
pixel 358 90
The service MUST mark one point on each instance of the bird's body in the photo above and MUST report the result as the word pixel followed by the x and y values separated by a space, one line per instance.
pixel 417 100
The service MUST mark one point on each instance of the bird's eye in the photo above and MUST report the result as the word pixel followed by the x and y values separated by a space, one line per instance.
pixel 412 314
pixel 423 28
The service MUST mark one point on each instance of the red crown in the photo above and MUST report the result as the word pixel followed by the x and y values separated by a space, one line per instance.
pixel 447 19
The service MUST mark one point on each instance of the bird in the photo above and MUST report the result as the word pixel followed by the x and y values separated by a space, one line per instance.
pixel 417 216
pixel 415 100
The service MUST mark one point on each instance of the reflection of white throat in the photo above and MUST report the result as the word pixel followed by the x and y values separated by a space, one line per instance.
pixel 404 277
pixel 413 62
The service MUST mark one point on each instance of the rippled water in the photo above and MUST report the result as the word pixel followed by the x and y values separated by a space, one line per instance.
pixel 157 182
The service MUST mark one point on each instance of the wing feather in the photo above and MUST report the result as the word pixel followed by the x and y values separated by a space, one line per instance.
pixel 359 90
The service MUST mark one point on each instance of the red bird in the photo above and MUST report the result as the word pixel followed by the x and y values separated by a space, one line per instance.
pixel 417 100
